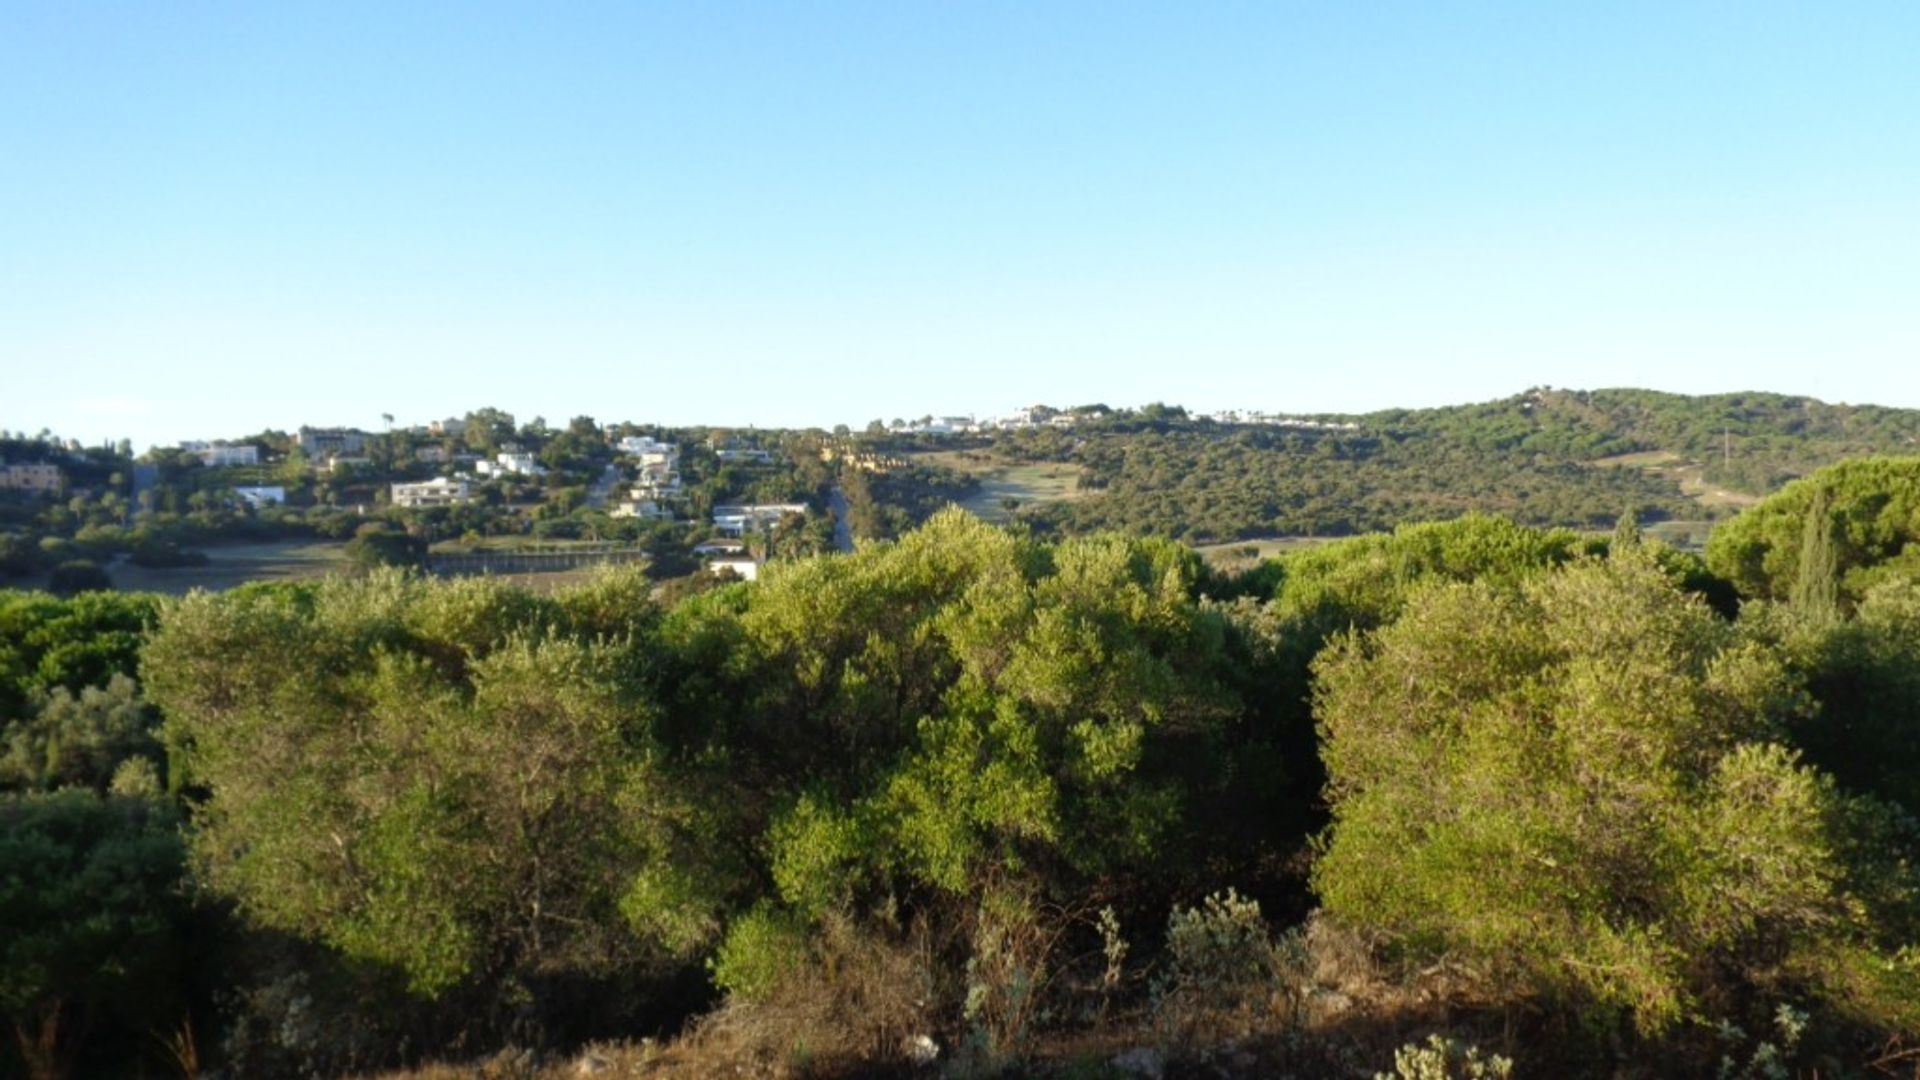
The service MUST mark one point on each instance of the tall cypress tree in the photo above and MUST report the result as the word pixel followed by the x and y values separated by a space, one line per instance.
pixel 1626 532
pixel 1816 586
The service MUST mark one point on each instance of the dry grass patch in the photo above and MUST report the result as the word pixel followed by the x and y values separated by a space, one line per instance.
pixel 855 1004
pixel 231 565
pixel 1235 555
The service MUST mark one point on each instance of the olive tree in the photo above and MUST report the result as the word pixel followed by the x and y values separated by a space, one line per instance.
pixel 459 782
pixel 1579 783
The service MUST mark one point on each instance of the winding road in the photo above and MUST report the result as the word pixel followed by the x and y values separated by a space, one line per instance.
pixel 842 532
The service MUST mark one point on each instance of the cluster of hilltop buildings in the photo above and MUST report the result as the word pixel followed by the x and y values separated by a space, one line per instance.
pixel 656 488
pixel 1031 417
pixel 1240 416
pixel 325 447
pixel 656 483
pixel 652 495
pixel 1038 416
pixel 458 488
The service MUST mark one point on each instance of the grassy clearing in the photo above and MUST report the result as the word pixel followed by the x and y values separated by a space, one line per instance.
pixel 232 565
pixel 516 543
pixel 1242 554
pixel 1690 535
pixel 1026 483
pixel 1645 459
pixel 229 565
pixel 1688 475
pixel 972 462
pixel 1694 486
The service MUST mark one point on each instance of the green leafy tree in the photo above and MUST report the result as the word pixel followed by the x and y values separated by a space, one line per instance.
pixel 488 430
pixel 379 545
pixel 1816 586
pixel 1626 531
pixel 1577 785
pixel 1864 673
pixel 19 555
pixel 48 642
pixel 1873 505
pixel 91 924
pixel 78 576
pixel 456 781
pixel 962 707
pixel 78 739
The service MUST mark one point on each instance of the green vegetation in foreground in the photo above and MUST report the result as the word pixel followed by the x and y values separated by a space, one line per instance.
pixel 1571 798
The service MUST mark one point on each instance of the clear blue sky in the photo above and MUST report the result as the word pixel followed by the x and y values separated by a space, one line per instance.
pixel 221 217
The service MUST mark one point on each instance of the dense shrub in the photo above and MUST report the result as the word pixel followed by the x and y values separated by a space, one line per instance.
pixel 1872 507
pixel 901 803
pixel 92 906
pixel 454 780
pixel 76 576
pixel 1578 783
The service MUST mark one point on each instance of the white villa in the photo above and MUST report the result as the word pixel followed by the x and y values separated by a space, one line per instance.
pixel 219 455
pixel 657 482
pixel 510 464
pixel 442 491
pixel 649 451
pixel 940 425
pixel 748 569
pixel 257 497
pixel 737 521
pixel 643 509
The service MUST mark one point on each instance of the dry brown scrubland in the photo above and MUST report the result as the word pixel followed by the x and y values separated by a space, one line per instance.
pixel 1326 1007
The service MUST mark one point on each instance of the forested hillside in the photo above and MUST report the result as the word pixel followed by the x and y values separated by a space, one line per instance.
pixel 1545 457
pixel 1470 794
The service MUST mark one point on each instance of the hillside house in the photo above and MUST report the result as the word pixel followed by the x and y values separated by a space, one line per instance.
pixel 657 482
pixel 222 455
pixel 38 477
pixel 441 491
pixel 646 450
pixel 939 425
pixel 510 464
pixel 320 443
pixel 747 568
pixel 643 509
pixel 738 521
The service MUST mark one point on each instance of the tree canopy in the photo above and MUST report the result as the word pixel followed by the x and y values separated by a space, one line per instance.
pixel 1583 782
pixel 1873 511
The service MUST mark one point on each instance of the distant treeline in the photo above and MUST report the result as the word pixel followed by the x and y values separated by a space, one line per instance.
pixel 1530 458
